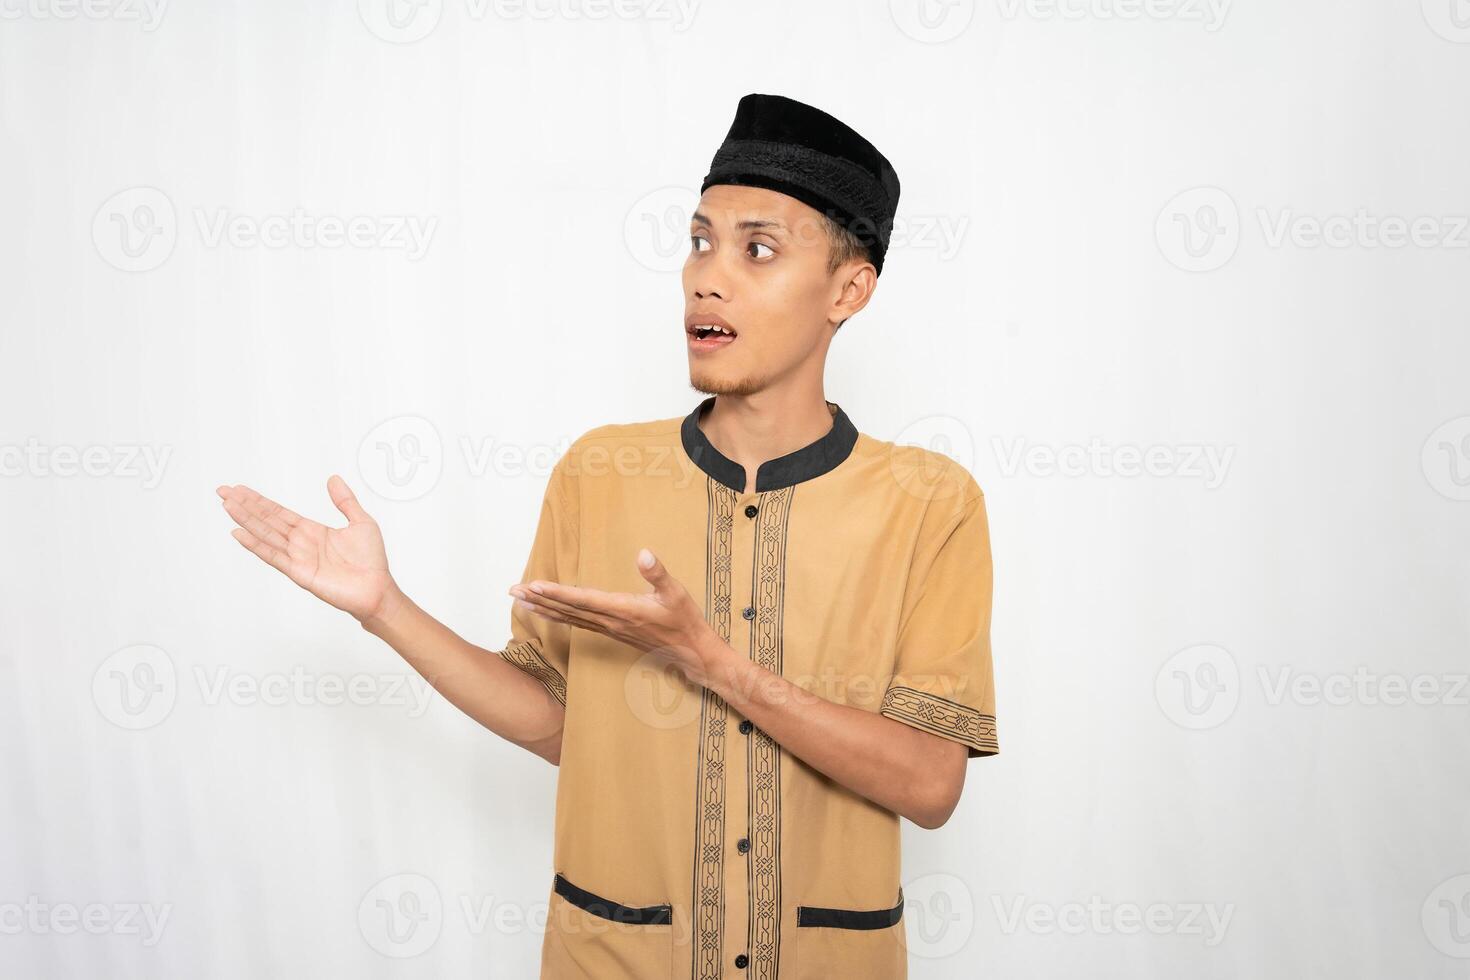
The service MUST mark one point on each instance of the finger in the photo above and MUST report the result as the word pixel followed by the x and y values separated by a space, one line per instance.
pixel 557 616
pixel 272 557
pixel 258 528
pixel 262 505
pixel 604 620
pixel 596 601
pixel 249 503
pixel 654 572
pixel 346 500
pixel 283 519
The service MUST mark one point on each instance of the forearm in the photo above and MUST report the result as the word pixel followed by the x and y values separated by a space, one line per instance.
pixel 898 767
pixel 498 695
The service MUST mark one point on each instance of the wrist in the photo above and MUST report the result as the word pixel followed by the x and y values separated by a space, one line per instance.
pixel 712 662
pixel 389 609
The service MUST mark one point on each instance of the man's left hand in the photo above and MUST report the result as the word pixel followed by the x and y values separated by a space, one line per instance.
pixel 666 621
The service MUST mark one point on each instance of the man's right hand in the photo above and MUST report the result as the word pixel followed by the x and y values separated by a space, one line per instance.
pixel 345 566
pixel 348 567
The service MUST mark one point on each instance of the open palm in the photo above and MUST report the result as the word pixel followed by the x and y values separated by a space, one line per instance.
pixel 344 566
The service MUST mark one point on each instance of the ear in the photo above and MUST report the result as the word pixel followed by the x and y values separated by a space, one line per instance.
pixel 856 281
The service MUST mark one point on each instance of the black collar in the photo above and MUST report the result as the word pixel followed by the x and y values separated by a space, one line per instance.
pixel 809 461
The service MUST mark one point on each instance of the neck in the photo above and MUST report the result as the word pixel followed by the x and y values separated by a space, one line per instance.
pixel 756 427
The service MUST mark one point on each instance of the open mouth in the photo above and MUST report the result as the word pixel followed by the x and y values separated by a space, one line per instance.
pixel 708 336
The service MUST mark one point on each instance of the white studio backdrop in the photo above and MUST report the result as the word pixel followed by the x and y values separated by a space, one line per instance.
pixel 1181 281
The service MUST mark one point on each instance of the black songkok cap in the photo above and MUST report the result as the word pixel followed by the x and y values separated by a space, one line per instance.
pixel 798 150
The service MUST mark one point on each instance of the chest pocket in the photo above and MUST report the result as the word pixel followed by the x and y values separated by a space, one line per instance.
pixel 588 936
pixel 850 943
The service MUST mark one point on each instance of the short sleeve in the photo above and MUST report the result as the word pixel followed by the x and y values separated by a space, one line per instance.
pixel 539 646
pixel 943 681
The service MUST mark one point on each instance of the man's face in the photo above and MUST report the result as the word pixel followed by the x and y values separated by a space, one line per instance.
pixel 758 264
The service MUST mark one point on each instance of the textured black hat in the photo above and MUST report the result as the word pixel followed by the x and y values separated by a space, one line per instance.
pixel 799 150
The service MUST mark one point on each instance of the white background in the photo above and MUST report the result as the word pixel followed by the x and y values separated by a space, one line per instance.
pixel 1106 246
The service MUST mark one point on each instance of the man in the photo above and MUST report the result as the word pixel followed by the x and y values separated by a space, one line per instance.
pixel 751 636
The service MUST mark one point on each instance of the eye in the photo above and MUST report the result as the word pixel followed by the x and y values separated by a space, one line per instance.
pixel 694 241
pixel 763 245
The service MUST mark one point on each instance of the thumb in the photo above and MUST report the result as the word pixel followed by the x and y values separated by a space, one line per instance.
pixel 653 571
pixel 346 502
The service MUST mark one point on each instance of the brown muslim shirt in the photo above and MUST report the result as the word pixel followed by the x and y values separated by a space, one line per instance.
pixel 688 844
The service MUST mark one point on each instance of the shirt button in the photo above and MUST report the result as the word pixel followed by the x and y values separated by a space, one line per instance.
pixel 750 510
pixel 742 845
pixel 748 612
pixel 745 727
pixel 741 961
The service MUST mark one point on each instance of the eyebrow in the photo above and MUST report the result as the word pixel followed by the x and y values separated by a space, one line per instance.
pixel 700 218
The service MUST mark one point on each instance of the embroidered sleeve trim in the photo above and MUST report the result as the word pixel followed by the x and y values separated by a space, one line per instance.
pixel 525 656
pixel 940 716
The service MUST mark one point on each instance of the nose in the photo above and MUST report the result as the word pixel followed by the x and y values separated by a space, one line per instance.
pixel 706 279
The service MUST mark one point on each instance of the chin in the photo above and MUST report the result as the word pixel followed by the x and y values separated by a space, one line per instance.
pixel 710 383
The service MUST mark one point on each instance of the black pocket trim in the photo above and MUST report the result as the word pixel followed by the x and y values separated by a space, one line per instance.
pixel 653 915
pixel 807 915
